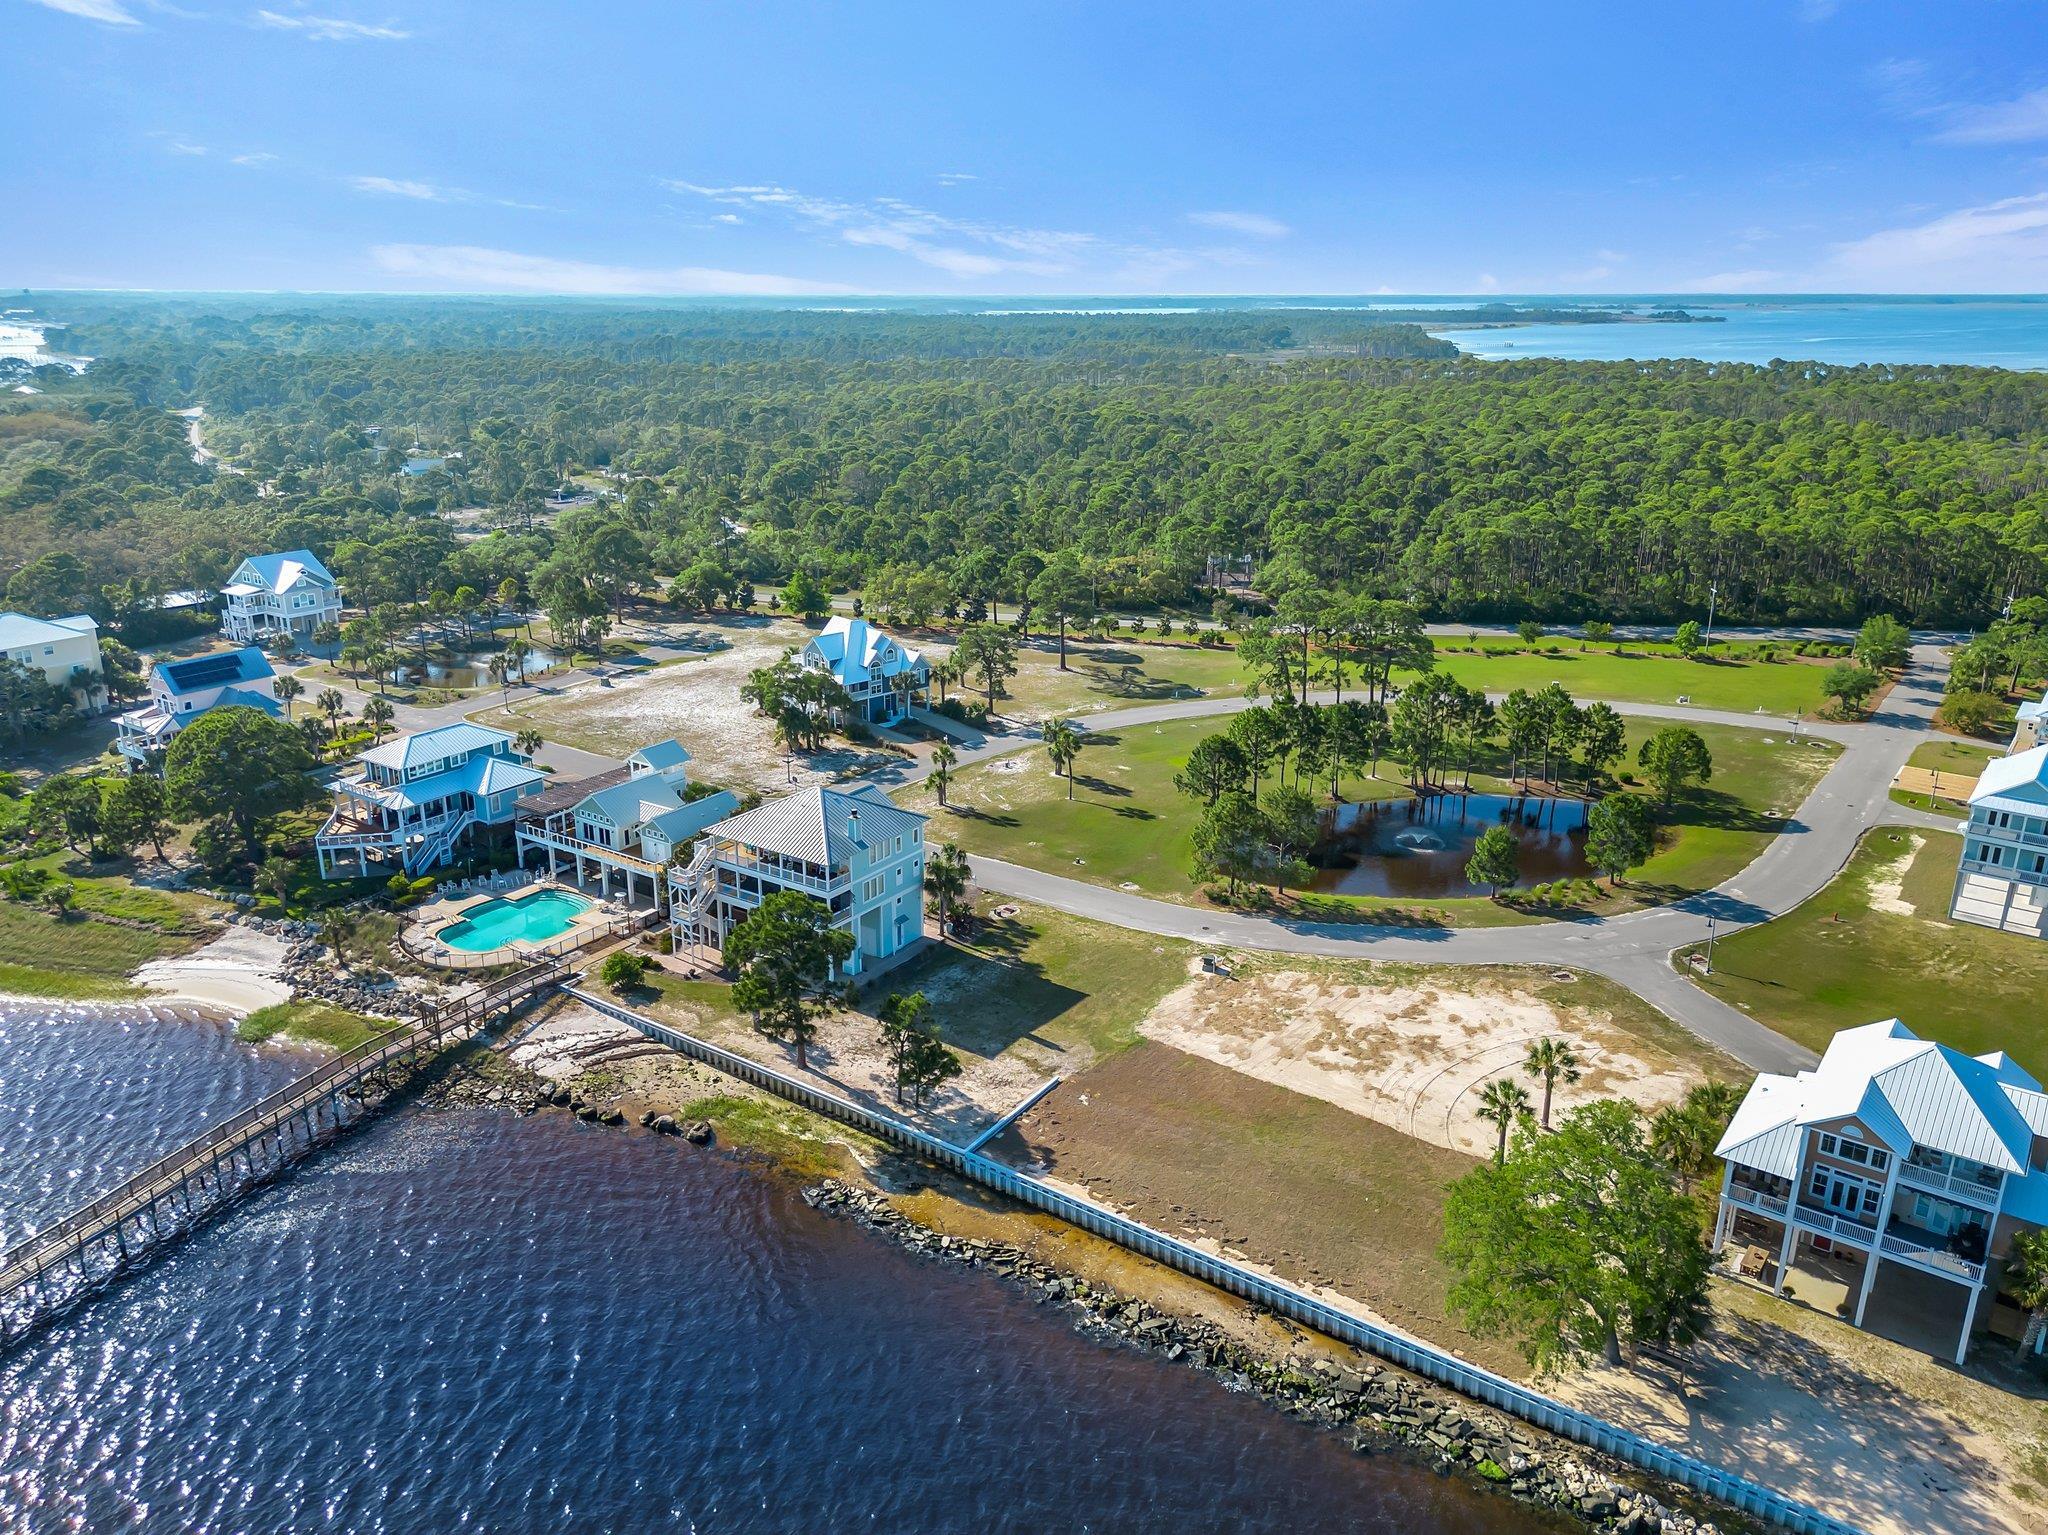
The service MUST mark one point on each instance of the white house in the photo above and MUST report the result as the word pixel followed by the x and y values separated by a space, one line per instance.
pixel 625 824
pixel 2002 880
pixel 879 673
pixel 852 849
pixel 2030 726
pixel 290 593
pixel 1903 1166
pixel 60 649
pixel 412 801
pixel 181 691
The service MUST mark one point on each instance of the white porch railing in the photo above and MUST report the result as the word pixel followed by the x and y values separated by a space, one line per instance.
pixel 542 836
pixel 782 874
pixel 1828 1224
pixel 1773 1205
pixel 1938 1259
pixel 1952 1185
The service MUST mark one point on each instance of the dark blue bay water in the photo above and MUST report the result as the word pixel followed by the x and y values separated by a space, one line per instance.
pixel 469 1321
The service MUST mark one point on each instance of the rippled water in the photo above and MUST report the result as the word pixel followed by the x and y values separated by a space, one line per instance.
pixel 467 1320
pixel 1418 849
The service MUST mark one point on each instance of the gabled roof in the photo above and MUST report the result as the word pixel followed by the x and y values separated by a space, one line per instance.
pixel 629 803
pixel 241 698
pixel 685 821
pixel 222 669
pixel 281 572
pixel 436 745
pixel 1906 1091
pixel 2018 782
pixel 659 756
pixel 477 776
pixel 18 629
pixel 856 651
pixel 2034 709
pixel 820 825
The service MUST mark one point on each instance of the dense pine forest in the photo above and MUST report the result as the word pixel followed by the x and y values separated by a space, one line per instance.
pixel 1349 449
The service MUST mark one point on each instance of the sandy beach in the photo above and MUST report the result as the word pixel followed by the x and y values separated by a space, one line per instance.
pixel 238 972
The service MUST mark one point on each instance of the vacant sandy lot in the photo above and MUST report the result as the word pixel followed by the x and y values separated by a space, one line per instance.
pixel 698 702
pixel 1411 1055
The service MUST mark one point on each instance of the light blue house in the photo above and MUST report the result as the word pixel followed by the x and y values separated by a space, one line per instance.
pixel 412 801
pixel 622 828
pixel 181 691
pixel 2002 878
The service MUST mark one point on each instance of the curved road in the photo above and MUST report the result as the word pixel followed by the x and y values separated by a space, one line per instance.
pixel 1633 950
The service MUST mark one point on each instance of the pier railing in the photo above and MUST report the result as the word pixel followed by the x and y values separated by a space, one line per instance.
pixel 65 1247
pixel 1275 1295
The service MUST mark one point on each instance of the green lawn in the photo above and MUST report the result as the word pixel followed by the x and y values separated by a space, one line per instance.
pixel 309 1023
pixel 1877 943
pixel 108 889
pixel 1642 674
pixel 1965 759
pixel 1127 825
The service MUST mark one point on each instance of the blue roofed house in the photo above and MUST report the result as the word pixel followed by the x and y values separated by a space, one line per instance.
pixel 412 801
pixel 289 593
pixel 853 849
pixel 879 672
pixel 2002 879
pixel 1893 1175
pixel 622 829
pixel 181 691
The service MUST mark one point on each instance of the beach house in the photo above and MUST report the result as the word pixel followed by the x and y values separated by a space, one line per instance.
pixel 181 691
pixel 2002 877
pixel 269 594
pixel 2030 726
pixel 65 651
pixel 1886 1183
pixel 413 801
pixel 880 673
pixel 852 849
pixel 622 828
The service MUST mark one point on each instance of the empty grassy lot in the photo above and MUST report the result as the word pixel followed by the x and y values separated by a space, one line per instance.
pixel 1952 755
pixel 1127 826
pixel 76 957
pixel 1877 943
pixel 1642 674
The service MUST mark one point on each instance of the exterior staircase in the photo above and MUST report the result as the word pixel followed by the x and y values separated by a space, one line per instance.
pixel 434 850
pixel 692 886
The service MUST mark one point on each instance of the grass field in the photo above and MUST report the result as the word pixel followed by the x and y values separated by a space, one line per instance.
pixel 1640 674
pixel 1127 825
pixel 1118 673
pixel 76 957
pixel 310 1023
pixel 1965 759
pixel 1877 943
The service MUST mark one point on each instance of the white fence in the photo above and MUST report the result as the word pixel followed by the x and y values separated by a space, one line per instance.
pixel 1275 1295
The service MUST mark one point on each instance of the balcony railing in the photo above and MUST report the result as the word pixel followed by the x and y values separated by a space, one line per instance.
pixel 1830 1224
pixel 546 836
pixel 1953 1185
pixel 1918 1250
pixel 1773 1205
pixel 783 874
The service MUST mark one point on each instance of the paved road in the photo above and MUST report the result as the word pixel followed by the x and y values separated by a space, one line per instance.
pixel 1634 950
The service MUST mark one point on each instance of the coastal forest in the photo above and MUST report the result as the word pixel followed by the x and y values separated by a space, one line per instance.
pixel 1352 449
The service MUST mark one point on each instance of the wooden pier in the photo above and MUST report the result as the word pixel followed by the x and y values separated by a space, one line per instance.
pixel 73 1256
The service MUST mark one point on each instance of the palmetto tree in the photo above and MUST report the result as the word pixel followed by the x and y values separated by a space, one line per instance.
pixel 527 742
pixel 500 671
pixel 1501 1102
pixel 332 704
pixel 377 714
pixel 2026 1281
pixel 1063 744
pixel 1551 1061
pixel 289 688
pixel 945 878
pixel 943 758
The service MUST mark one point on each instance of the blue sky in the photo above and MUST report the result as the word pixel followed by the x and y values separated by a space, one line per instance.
pixel 752 146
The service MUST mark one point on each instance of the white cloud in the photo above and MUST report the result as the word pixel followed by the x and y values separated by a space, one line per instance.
pixel 477 269
pixel 727 218
pixel 1747 280
pixel 110 13
pixel 253 157
pixel 393 186
pixel 954 178
pixel 1486 283
pixel 2019 121
pixel 331 29
pixel 2000 246
pixel 185 147
pixel 1259 226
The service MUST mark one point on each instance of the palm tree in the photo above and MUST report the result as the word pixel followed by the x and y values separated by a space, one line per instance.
pixel 500 672
pixel 289 688
pixel 943 758
pixel 377 714
pixel 945 878
pixel 334 706
pixel 1501 1102
pixel 516 654
pixel 2026 1281
pixel 1063 744
pixel 527 742
pixel 337 927
pixel 1551 1061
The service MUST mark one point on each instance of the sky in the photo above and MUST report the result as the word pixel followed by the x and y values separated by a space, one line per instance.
pixel 758 147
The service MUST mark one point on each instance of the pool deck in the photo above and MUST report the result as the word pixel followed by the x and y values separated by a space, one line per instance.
pixel 422 932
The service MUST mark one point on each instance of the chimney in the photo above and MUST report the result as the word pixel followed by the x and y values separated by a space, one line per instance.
pixel 853 827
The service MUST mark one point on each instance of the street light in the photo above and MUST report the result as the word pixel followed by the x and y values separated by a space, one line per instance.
pixel 1710 947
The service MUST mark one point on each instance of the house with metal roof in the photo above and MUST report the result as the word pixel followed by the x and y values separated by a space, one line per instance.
pixel 2002 877
pixel 2030 726
pixel 411 802
pixel 289 593
pixel 1897 1170
pixel 852 849
pixel 181 691
pixel 879 672
pixel 622 828
pixel 64 651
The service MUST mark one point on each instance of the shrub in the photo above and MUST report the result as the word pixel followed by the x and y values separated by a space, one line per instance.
pixel 1971 712
pixel 623 970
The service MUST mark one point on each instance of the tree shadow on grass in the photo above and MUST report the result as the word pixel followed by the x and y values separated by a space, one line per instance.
pixel 969 813
pixel 1101 787
pixel 989 996
pixel 1706 806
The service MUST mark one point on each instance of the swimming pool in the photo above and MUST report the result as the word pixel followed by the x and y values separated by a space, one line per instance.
pixel 537 917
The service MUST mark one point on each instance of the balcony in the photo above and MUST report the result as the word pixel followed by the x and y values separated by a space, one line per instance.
pixel 1764 1203
pixel 1836 1226
pixel 1924 1249
pixel 786 874
pixel 1969 1186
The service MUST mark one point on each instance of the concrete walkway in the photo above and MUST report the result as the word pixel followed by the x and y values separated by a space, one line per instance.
pixel 1633 950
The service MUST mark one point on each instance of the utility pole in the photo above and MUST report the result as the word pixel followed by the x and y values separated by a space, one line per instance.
pixel 1710 947
pixel 1713 589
